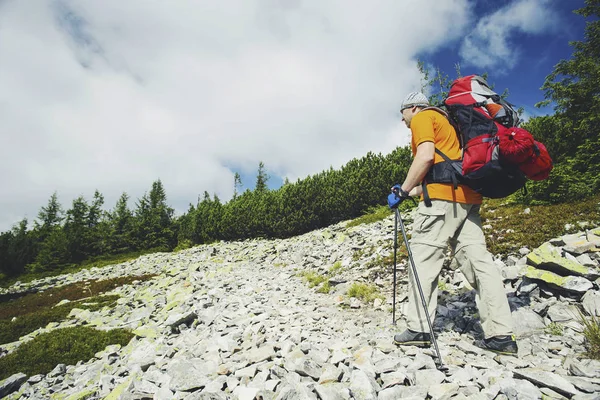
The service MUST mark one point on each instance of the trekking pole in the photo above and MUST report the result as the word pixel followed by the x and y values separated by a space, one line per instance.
pixel 394 285
pixel 441 366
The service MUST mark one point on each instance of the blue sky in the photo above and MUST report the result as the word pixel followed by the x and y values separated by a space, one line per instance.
pixel 112 95
pixel 537 54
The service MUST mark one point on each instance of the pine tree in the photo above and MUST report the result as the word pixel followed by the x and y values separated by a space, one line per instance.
pixel 154 220
pixel 261 179
pixel 16 249
pixel 120 222
pixel 51 245
pixel 51 215
pixel 237 184
pixel 97 233
pixel 76 229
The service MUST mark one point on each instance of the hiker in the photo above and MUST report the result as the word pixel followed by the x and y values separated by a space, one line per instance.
pixel 452 215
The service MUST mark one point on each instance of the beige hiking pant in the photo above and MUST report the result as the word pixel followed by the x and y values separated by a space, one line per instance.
pixel 432 229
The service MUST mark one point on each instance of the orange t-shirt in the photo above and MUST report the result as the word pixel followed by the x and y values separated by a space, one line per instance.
pixel 431 126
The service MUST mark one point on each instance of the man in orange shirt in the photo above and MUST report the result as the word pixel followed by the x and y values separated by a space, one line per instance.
pixel 446 213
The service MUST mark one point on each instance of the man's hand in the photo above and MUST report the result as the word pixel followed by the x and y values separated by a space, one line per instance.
pixel 397 196
pixel 401 193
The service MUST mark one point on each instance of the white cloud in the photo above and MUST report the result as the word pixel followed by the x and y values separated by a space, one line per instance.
pixel 113 94
pixel 492 43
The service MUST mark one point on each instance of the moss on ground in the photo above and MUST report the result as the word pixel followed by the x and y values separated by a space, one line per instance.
pixel 513 229
pixel 62 346
pixel 12 329
pixel 34 302
pixel 23 315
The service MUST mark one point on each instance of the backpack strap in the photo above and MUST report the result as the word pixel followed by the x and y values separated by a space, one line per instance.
pixel 447 171
pixel 441 111
pixel 441 170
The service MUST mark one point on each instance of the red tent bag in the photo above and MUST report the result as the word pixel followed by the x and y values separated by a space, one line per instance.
pixel 538 167
pixel 516 145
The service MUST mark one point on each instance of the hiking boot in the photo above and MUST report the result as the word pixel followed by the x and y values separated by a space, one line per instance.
pixel 412 338
pixel 499 344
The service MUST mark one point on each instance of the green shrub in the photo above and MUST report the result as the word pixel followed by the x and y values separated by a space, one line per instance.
pixel 378 213
pixel 183 244
pixel 62 346
pixel 358 254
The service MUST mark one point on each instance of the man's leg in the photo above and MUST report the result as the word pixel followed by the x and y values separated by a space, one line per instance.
pixel 494 311
pixel 432 228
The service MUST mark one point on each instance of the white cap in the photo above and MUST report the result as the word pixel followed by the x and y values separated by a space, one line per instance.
pixel 414 99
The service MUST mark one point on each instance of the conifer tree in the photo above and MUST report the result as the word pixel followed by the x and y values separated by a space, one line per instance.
pixel 261 179
pixel 237 185
pixel 76 229
pixel 121 226
pixel 51 215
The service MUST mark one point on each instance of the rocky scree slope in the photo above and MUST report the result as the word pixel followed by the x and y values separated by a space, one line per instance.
pixel 237 321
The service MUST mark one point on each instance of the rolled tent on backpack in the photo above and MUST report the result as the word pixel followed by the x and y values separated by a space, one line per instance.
pixel 516 145
pixel 538 167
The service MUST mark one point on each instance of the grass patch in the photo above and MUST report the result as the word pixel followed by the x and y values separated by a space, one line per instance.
pixel 378 213
pixel 591 332
pixel 313 278
pixel 325 288
pixel 21 316
pixel 512 229
pixel 62 346
pixel 364 292
pixel 373 214
pixel 358 254
pixel 554 329
pixel 335 268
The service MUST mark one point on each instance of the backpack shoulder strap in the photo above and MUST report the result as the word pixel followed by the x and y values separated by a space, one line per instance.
pixel 451 120
pixel 444 113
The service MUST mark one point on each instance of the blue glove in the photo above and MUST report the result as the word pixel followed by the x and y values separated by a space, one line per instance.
pixel 397 196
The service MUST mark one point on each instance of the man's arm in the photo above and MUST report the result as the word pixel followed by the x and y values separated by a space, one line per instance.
pixel 418 169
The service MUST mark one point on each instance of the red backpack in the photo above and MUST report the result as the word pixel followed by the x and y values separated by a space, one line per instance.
pixel 498 157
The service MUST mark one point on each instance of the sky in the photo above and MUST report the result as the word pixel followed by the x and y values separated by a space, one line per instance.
pixel 113 95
